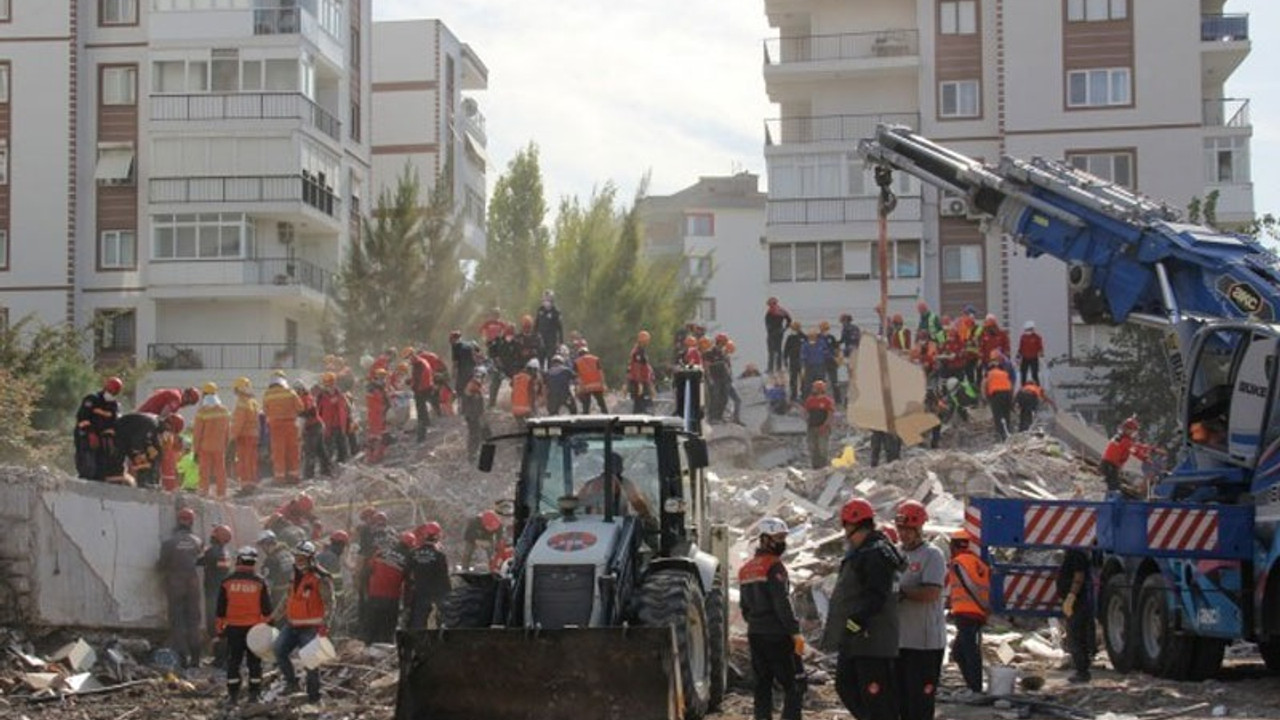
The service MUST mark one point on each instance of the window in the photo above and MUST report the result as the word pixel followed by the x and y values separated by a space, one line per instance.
pixel 958 99
pixel 812 176
pixel 118 12
pixel 115 164
pixel 962 264
pixel 355 46
pixel 4 81
pixel 251 72
pixel 699 225
pixel 1226 160
pixel 119 85
pixel 706 311
pixel 1116 167
pixel 117 250
pixel 700 267
pixel 904 259
pixel 5 17
pixel 857 261
pixel 115 330
pixel 1098 88
pixel 355 121
pixel 4 249
pixel 832 256
pixel 226 70
pixel 4 162
pixel 4 319
pixel 806 262
pixel 1097 10
pixel 207 236
pixel 780 263
pixel 958 18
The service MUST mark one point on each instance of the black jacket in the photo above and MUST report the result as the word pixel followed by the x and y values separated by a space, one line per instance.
pixel 764 594
pixel 547 324
pixel 791 350
pixel 866 592
pixel 429 575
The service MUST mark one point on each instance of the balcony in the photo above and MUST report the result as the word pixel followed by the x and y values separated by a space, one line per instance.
pixel 232 356
pixel 1224 28
pixel 832 128
pixel 1226 113
pixel 810 57
pixel 245 106
pixel 310 190
pixel 834 211
pixel 1224 44
pixel 240 277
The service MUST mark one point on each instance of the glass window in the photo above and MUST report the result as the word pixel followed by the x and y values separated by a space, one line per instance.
pixel 169 76
pixel 4 249
pixel 114 330
pixel 1116 167
pixel 699 225
pixel 198 76
pixel 282 75
pixel 119 85
pixel 1227 160
pixel 958 99
pixel 907 263
pixel 118 12
pixel 780 263
pixel 208 236
pixel 1098 88
pixel 962 264
pixel 4 81
pixel 706 311
pixel 1075 10
pixel 117 250
pixel 4 162
pixel 574 464
pixel 5 16
pixel 958 17
pixel 857 260
pixel 806 262
pixel 1097 10
pixel 251 76
pixel 226 71
pixel 832 261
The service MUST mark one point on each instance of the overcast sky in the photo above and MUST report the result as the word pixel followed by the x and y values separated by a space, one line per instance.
pixel 611 90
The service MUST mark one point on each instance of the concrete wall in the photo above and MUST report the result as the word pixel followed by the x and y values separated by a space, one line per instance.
pixel 83 554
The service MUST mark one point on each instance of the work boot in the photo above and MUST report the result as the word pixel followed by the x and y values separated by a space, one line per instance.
pixel 233 694
pixel 291 687
pixel 1080 677
pixel 255 694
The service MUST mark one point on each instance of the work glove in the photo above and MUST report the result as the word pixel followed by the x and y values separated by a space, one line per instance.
pixel 798 641
pixel 1069 605
pixel 852 626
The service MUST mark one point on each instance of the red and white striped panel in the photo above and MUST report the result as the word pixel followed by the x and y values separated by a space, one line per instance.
pixel 1059 525
pixel 973 522
pixel 1183 529
pixel 1030 590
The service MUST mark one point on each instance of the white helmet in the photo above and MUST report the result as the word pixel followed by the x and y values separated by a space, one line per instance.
pixel 532 365
pixel 772 526
pixel 1029 325
pixel 952 384
pixel 266 536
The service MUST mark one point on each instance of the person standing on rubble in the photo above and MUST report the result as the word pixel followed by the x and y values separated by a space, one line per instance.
pixel 484 530
pixel 998 389
pixel 968 597
pixel 282 407
pixel 216 564
pixel 590 379
pixel 95 432
pixel 1028 400
pixel 428 576
pixel 172 448
pixel 305 610
pixel 548 326
pixel 210 438
pixel 773 632
pixel 1030 350
pixel 243 601
pixel 640 375
pixel 791 348
pixel 277 563
pixel 776 320
pixel 922 629
pixel 179 554
pixel 422 382
pixel 862 617
pixel 559 383
pixel 819 413
pixel 330 558
pixel 1075 590
pixel 833 358
pixel 335 413
pixel 886 444
pixel 471 404
pixel 314 450
pixel 245 433
pixel 385 588
pixel 813 357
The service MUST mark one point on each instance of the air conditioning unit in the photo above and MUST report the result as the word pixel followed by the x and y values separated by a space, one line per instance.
pixel 953 207
pixel 285 233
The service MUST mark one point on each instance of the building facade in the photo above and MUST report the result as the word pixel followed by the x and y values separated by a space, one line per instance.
pixel 427 118
pixel 184 174
pixel 1131 90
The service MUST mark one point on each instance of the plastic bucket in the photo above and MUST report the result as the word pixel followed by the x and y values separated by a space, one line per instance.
pixel 317 652
pixel 262 641
pixel 1002 680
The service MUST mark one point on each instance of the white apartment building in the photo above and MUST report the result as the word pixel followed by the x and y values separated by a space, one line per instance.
pixel 185 173
pixel 1132 90
pixel 425 113
pixel 716 229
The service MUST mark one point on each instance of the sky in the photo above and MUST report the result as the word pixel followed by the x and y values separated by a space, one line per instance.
pixel 611 91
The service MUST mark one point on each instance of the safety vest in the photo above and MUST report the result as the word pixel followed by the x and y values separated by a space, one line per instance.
pixel 998 381
pixel 590 376
pixel 424 374
pixel 306 600
pixel 212 429
pixel 900 339
pixel 970 586
pixel 244 600
pixel 521 394
pixel 281 404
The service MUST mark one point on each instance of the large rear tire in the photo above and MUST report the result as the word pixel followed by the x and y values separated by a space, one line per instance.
pixel 470 603
pixel 1270 650
pixel 1206 658
pixel 1163 651
pixel 1118 634
pixel 716 644
pixel 673 598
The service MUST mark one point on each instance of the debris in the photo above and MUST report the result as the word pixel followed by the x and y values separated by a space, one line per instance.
pixel 78 656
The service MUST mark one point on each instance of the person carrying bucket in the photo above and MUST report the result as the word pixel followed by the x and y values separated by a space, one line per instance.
pixel 243 601
pixel 310 597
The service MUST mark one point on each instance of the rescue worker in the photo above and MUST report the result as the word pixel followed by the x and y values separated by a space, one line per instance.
pixel 137 449
pixel 422 382
pixel 692 355
pixel 167 401
pixel 819 413
pixel 245 433
pixel 178 556
pixel 885 444
pixel 471 404
pixel 922 625
pixel 813 358
pixel 484 530
pixel 428 576
pixel 776 321
pixel 1075 590
pixel 719 378
pixel 998 389
pixel 493 328
pixel 990 339
pixel 96 456
pixel 862 617
pixel 172 448
pixel 791 347
pixel 559 385
pixel 335 414
pixel 548 326
pixel 330 558
pixel 528 344
pixel 640 375
pixel 385 588
pixel 526 387
pixel 305 611
pixel 930 324
pixel 209 439
pixel 216 564
pixel 243 601
pixel 502 359
pixel 968 594
pixel 464 354
pixel 1123 444
pixel 282 407
pixel 832 374
pixel 850 339
pixel 276 563
pixel 376 404
pixel 314 450
pixel 773 633
pixel 729 349
pixel 1028 400
pixel 591 496
pixel 1030 350
pixel 590 380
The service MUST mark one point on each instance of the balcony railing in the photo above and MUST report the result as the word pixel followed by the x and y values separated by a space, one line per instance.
pixel 819 211
pixel 232 356
pixel 310 189
pixel 1224 28
pixel 832 128
pixel 187 272
pixel 245 106
pixel 847 46
pixel 1226 112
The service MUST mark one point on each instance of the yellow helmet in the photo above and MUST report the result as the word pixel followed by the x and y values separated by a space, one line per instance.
pixel 209 388
pixel 278 373
pixel 242 383
pixel 329 378
pixel 406 351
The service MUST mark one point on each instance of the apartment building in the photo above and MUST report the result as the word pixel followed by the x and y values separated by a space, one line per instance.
pixel 426 115
pixel 1131 90
pixel 715 228
pixel 183 174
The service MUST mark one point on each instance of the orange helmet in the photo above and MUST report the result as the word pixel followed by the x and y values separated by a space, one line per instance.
pixel 329 378
pixel 729 347
pixel 408 539
pixel 429 531
pixel 962 536
pixel 1130 424
pixel 897 318
pixel 824 326
pixel 526 321
pixel 222 534
pixel 642 337
pixel 490 521
pixel 721 338
pixel 406 351
pixel 704 343
pixel 922 306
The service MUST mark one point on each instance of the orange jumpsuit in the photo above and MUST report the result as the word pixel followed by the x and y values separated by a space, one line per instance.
pixel 244 433
pixel 170 450
pixel 375 404
pixel 524 393
pixel 212 431
pixel 282 406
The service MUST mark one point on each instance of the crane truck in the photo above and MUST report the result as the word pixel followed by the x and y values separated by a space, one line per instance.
pixel 1196 565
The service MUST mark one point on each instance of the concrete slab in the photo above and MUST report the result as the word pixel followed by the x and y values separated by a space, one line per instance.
pixel 784 425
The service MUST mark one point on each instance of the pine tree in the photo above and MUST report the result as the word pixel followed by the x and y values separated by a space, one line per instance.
pixel 517 239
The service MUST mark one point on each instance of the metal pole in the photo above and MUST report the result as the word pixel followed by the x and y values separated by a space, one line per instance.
pixel 886 204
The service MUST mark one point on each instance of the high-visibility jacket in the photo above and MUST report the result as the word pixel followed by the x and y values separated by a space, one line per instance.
pixel 900 338
pixel 244 419
pixel 590 375
pixel 998 381
pixel 435 361
pixel 638 368
pixel 387 572
pixel 1121 446
pixel 375 407
pixel 965 327
pixel 162 402
pixel 969 586
pixel 334 411
pixel 992 339
pixel 243 600
pixel 522 394
pixel 281 404
pixel 423 375
pixel 212 429
pixel 306 598
pixel 1030 345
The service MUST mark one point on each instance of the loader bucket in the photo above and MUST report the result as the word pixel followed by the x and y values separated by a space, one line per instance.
pixel 519 674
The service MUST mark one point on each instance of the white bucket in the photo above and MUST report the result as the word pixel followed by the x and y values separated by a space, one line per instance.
pixel 1002 680
pixel 317 652
pixel 262 641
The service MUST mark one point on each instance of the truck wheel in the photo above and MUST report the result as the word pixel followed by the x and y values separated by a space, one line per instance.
pixel 1117 623
pixel 470 603
pixel 1206 658
pixel 672 597
pixel 1163 652
pixel 715 644
pixel 1270 650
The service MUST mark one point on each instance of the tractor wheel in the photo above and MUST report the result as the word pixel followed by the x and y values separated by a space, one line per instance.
pixel 716 649
pixel 1270 650
pixel 1163 652
pixel 1206 658
pixel 672 597
pixel 1117 623
pixel 470 603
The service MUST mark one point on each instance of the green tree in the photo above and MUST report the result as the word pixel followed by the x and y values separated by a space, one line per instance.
pixel 518 242
pixel 1131 376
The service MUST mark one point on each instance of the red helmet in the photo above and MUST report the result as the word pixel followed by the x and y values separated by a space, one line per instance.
pixel 222 534
pixel 690 341
pixel 897 318
pixel 113 385
pixel 922 306
pixel 367 513
pixel 721 338
pixel 174 423
pixel 490 521
pixel 455 334
pixel 340 536
pixel 408 539
pixel 186 516
pixel 304 502
pixel 379 519
pixel 429 531
pixel 856 512
pixel 1130 424
pixel 911 514
pixel 190 396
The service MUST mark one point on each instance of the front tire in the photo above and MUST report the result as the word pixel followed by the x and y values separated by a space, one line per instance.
pixel 470 603
pixel 673 598
pixel 1164 652
pixel 1118 633
pixel 716 644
